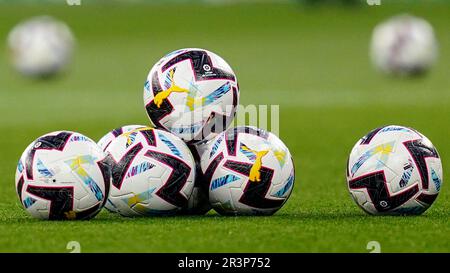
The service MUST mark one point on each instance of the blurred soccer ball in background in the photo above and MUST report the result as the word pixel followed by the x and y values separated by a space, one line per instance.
pixel 394 170
pixel 192 93
pixel 153 173
pixel 63 175
pixel 249 172
pixel 41 46
pixel 404 45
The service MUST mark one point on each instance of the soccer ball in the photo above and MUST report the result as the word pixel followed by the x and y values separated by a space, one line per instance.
pixel 153 173
pixel 394 170
pixel 104 143
pixel 404 45
pixel 63 175
pixel 41 46
pixel 192 93
pixel 248 171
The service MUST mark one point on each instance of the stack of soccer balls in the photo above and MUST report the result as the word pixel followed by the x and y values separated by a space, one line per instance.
pixel 189 161
pixel 185 163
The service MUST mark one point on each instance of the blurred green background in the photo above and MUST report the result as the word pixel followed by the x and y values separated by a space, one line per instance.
pixel 311 59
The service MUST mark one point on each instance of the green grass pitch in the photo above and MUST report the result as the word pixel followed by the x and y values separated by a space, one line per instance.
pixel 313 62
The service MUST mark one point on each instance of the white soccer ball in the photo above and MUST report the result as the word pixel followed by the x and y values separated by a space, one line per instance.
pixel 404 45
pixel 63 175
pixel 192 93
pixel 41 46
pixel 104 143
pixel 394 170
pixel 153 173
pixel 248 171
